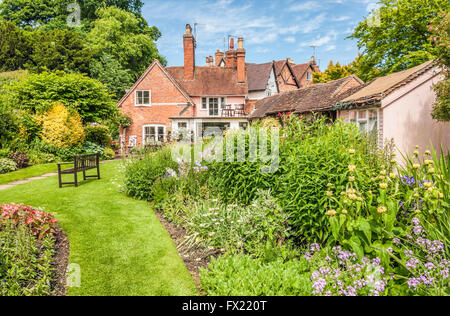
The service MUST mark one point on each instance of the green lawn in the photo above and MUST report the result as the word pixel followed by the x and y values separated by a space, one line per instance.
pixel 30 172
pixel 118 242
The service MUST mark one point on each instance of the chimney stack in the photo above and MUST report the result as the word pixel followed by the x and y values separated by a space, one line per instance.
pixel 189 53
pixel 211 61
pixel 241 72
pixel 219 57
pixel 230 55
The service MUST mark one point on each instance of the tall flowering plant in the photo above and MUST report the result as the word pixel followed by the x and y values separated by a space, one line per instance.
pixel 38 222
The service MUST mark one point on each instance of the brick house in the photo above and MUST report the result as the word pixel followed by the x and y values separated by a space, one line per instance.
pixel 167 100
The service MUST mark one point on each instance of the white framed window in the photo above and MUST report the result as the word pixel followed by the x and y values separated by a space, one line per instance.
pixel 366 120
pixel 153 133
pixel 308 76
pixel 143 98
pixel 132 141
pixel 213 105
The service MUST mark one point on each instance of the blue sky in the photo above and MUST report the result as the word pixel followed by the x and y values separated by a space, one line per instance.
pixel 272 30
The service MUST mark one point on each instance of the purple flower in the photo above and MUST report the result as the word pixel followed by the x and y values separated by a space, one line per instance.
pixel 415 221
pixel 418 230
pixel 429 265
pixel 319 286
pixel 412 264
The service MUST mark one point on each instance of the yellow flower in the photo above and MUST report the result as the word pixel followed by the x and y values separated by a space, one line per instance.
pixel 428 162
pixel 382 209
pixel 392 175
pixel 416 153
pixel 331 213
pixel 383 172
pixel 352 151
pixel 329 193
pixel 352 168
pixel 430 190
pixel 428 153
pixel 383 185
pixel 351 179
pixel 431 171
pixel 417 146
pixel 345 212
pixel 329 185
pixel 416 166
pixel 393 161
pixel 441 196
pixel 427 184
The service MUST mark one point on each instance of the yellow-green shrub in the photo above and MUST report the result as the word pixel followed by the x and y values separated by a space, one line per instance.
pixel 61 127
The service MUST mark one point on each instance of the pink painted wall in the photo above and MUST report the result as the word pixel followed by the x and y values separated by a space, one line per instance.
pixel 204 113
pixel 407 116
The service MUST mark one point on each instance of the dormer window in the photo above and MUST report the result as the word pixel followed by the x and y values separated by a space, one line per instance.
pixel 143 98
pixel 308 76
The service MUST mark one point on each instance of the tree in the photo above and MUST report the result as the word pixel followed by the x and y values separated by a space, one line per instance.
pixel 33 13
pixel 108 71
pixel 333 72
pixel 117 34
pixel 14 47
pixel 440 29
pixel 59 50
pixel 38 92
pixel 401 38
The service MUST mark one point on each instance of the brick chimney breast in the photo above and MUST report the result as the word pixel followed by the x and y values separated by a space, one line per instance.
pixel 230 55
pixel 189 54
pixel 241 71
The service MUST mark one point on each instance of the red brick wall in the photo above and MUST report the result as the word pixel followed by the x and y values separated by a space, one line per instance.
pixel 351 84
pixel 162 91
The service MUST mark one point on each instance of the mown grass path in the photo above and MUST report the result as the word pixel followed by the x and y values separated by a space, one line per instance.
pixel 118 242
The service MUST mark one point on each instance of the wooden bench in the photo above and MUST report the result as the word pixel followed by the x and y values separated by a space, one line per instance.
pixel 81 164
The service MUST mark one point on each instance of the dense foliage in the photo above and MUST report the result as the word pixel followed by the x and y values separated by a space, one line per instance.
pixel 397 36
pixel 26 251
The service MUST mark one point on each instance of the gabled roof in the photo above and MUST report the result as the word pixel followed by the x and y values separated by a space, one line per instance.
pixel 379 88
pixel 279 66
pixel 258 76
pixel 156 63
pixel 318 97
pixel 212 81
pixel 300 69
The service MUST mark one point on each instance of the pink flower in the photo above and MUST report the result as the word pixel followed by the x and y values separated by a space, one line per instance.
pixel 29 220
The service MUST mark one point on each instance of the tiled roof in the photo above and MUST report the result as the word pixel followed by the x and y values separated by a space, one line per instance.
pixel 318 97
pixel 300 70
pixel 210 81
pixel 258 76
pixel 383 86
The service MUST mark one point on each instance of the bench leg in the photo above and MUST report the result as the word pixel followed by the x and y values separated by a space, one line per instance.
pixel 98 171
pixel 76 179
pixel 84 175
pixel 59 176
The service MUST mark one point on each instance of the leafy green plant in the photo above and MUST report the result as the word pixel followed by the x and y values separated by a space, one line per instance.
pixel 141 174
pixel 242 275
pixel 7 165
pixel 252 229
pixel 20 158
pixel 98 134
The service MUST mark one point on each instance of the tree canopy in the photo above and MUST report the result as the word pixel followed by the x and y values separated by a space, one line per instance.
pixel 399 39
pixel 37 93
pixel 116 33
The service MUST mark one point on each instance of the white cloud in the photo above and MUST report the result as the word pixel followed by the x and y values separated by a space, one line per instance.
pixel 290 39
pixel 306 6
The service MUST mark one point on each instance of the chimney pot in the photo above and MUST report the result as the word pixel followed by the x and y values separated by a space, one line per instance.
pixel 232 43
pixel 241 43
pixel 189 54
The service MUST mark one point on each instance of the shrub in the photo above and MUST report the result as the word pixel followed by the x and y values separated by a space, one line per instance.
pixel 20 158
pixel 62 128
pixel 141 175
pixel 252 229
pixel 99 135
pixel 26 266
pixel 108 154
pixel 39 223
pixel 312 155
pixel 247 276
pixel 7 165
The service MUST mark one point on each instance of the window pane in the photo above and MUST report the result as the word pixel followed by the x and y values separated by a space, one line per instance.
pixel 182 125
pixel 363 126
pixel 204 103
pixel 213 106
pixel 362 115
pixel 352 116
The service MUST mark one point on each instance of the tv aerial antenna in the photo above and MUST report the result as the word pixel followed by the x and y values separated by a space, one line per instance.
pixel 196 25
pixel 314 47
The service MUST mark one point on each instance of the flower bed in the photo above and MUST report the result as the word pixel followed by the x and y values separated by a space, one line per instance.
pixel 30 242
